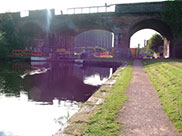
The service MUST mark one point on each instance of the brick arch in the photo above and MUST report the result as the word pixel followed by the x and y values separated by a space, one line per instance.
pixel 154 24
pixel 75 24
pixel 159 26
pixel 82 30
pixel 76 30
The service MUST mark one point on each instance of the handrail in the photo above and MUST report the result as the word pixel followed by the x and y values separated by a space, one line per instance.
pixel 89 8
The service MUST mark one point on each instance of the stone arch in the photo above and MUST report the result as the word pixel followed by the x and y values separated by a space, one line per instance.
pixel 67 28
pixel 66 31
pixel 154 24
pixel 75 24
pixel 158 26
pixel 91 27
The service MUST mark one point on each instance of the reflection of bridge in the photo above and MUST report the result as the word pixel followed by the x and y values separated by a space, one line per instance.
pixel 59 31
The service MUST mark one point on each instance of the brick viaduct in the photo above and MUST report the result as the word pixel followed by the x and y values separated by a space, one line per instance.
pixel 124 22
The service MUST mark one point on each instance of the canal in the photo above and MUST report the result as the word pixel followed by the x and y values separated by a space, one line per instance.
pixel 37 99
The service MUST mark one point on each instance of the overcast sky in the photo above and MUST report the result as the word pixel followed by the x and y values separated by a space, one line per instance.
pixel 20 5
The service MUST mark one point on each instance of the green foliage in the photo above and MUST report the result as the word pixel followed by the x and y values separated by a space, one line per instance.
pixel 172 15
pixel 97 48
pixel 3 46
pixel 10 81
pixel 146 50
pixel 155 42
pixel 104 122
pixel 166 77
pixel 9 37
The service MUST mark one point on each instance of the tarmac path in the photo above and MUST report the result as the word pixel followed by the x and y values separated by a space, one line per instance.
pixel 142 113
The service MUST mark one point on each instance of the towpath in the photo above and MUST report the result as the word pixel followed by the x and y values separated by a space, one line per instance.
pixel 142 114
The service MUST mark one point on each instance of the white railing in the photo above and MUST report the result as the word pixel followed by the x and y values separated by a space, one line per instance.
pixel 78 10
pixel 93 9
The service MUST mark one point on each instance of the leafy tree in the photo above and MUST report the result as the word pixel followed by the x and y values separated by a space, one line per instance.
pixel 9 36
pixel 172 15
pixel 155 43
pixel 3 46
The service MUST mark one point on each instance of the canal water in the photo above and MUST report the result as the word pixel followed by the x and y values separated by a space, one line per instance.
pixel 37 99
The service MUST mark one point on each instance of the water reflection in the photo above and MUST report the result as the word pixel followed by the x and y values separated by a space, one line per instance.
pixel 37 99
pixel 59 81
pixel 20 117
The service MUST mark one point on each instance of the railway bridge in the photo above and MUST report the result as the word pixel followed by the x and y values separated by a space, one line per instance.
pixel 50 30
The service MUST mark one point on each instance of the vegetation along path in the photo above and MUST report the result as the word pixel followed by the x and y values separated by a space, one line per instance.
pixel 142 114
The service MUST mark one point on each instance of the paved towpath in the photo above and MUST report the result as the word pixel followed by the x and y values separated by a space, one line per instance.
pixel 142 114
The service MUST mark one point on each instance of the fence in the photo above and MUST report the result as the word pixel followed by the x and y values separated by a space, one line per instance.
pixel 27 52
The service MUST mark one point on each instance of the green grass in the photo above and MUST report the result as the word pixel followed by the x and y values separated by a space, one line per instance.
pixel 166 77
pixel 104 122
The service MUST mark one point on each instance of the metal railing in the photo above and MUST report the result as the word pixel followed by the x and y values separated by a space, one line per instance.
pixel 78 10
pixel 92 9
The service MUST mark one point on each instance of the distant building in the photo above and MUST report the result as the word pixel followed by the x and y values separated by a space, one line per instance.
pixel 92 38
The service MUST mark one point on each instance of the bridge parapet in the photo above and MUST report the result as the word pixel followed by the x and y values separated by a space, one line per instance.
pixel 152 7
pixel 41 13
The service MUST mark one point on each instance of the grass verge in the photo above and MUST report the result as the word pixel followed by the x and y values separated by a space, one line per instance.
pixel 104 122
pixel 166 77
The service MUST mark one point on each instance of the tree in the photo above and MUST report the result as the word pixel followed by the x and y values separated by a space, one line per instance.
pixel 172 15
pixel 3 46
pixel 155 43
pixel 9 36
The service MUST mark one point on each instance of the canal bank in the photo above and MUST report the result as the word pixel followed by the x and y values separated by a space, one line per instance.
pixel 15 59
pixel 45 91
pixel 105 103
pixel 101 62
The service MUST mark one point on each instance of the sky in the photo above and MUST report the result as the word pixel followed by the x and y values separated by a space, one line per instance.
pixel 140 36
pixel 21 5
pixel 25 5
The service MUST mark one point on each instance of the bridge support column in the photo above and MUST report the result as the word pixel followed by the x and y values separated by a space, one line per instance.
pixel 121 45
pixel 166 50
pixel 65 41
